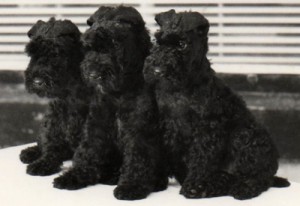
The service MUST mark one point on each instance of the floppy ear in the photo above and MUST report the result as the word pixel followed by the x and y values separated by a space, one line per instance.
pixel 102 10
pixel 134 21
pixel 202 30
pixel 196 22
pixel 34 28
pixel 68 29
pixel 130 16
pixel 164 17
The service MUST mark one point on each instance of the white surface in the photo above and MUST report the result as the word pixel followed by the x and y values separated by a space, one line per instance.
pixel 290 170
pixel 18 188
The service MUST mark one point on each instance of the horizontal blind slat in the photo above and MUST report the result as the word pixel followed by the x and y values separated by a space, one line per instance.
pixel 256 50
pixel 258 60
pixel 243 33
pixel 78 2
pixel 66 2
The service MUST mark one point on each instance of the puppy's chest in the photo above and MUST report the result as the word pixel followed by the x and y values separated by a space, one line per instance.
pixel 174 111
pixel 174 105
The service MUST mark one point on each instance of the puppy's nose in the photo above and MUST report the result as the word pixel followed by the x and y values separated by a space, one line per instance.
pixel 158 71
pixel 38 81
pixel 93 75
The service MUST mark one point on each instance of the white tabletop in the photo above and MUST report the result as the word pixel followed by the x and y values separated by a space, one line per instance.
pixel 19 189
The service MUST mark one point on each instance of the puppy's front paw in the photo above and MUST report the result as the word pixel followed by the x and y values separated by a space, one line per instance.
pixel 131 192
pixel 203 190
pixel 217 184
pixel 30 154
pixel 193 190
pixel 68 182
pixel 73 180
pixel 42 167
pixel 243 191
pixel 161 184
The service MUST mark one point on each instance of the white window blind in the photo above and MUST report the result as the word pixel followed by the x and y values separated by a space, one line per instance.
pixel 246 36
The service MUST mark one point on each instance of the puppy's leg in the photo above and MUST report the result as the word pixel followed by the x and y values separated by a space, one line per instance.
pixel 49 163
pixel 137 178
pixel 254 162
pixel 96 160
pixel 141 166
pixel 162 178
pixel 204 160
pixel 54 150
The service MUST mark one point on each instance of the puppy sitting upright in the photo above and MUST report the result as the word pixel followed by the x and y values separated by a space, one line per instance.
pixel 214 145
pixel 122 142
pixel 54 72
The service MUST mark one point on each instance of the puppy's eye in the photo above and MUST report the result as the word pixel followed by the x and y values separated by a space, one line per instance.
pixel 182 45
pixel 116 44
pixel 118 24
pixel 106 71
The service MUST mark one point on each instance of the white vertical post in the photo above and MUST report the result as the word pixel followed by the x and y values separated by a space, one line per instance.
pixel 58 15
pixel 220 25
pixel 144 6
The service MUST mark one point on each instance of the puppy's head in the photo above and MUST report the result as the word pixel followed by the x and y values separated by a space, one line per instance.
pixel 181 45
pixel 55 50
pixel 120 30
pixel 100 71
pixel 110 25
pixel 162 66
pixel 185 31
pixel 114 15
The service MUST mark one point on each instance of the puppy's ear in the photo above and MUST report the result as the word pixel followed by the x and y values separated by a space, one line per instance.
pixel 34 28
pixel 196 22
pixel 52 20
pixel 164 17
pixel 131 16
pixel 67 28
pixel 99 14
pixel 202 30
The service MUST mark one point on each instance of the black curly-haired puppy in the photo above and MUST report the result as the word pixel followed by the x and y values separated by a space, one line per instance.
pixel 214 145
pixel 122 141
pixel 54 72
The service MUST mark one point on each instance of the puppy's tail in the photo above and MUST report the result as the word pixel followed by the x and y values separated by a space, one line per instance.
pixel 280 182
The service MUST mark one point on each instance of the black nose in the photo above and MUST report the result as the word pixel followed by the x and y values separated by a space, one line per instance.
pixel 93 75
pixel 38 81
pixel 158 71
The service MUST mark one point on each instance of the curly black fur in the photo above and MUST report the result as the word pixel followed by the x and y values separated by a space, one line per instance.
pixel 122 141
pixel 54 72
pixel 214 145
